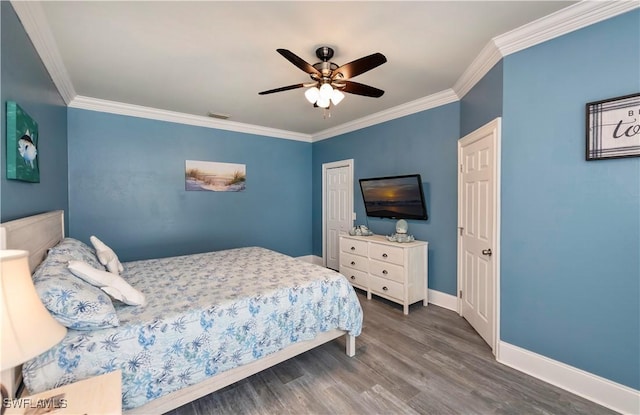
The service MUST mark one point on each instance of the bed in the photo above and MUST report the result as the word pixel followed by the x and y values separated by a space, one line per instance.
pixel 210 319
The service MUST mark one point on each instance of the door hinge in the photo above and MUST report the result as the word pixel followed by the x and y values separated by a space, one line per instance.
pixel 461 170
pixel 460 228
pixel 460 294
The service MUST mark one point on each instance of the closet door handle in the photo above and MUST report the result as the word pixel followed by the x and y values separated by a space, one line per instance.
pixel 353 277
pixel 385 288
pixel 384 271
pixel 384 255
pixel 353 248
pixel 353 262
pixel 486 252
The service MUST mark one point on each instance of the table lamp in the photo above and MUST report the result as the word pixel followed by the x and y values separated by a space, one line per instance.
pixel 28 329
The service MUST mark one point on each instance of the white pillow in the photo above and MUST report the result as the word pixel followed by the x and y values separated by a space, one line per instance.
pixel 110 283
pixel 106 256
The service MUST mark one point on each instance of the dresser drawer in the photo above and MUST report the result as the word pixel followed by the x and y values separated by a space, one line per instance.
pixel 354 246
pixel 353 261
pixel 386 287
pixel 387 270
pixel 355 277
pixel 386 253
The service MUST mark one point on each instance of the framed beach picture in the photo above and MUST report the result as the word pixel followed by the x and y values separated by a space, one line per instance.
pixel 215 177
pixel 613 128
pixel 22 145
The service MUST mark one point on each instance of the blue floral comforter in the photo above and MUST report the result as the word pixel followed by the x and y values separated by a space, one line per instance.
pixel 205 314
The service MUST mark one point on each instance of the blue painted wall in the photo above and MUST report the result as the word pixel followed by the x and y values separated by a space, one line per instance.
pixel 424 143
pixel 570 228
pixel 483 103
pixel 126 186
pixel 25 80
pixel 570 246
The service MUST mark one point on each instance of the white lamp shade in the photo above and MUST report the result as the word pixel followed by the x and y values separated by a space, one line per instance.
pixel 28 329
pixel 325 92
pixel 312 94
pixel 323 102
pixel 336 96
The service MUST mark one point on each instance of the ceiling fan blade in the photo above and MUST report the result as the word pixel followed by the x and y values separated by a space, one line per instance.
pixel 284 88
pixel 361 89
pixel 359 66
pixel 299 62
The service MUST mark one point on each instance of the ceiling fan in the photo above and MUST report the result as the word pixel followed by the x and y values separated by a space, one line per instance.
pixel 329 80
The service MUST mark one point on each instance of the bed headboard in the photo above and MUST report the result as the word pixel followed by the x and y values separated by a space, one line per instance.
pixel 35 234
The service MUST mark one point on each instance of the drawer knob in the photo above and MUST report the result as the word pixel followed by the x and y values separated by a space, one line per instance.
pixel 384 255
pixel 385 289
pixel 384 271
pixel 353 262
pixel 353 277
pixel 353 248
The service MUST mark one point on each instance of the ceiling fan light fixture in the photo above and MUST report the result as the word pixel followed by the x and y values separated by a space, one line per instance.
pixel 326 92
pixel 323 103
pixel 312 94
pixel 336 96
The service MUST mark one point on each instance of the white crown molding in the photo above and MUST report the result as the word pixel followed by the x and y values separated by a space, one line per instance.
pixel 35 24
pixel 569 19
pixel 481 65
pixel 432 101
pixel 113 107
pixel 563 21
pixel 613 395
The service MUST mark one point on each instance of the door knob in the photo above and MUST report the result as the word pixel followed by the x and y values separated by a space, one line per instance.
pixel 487 252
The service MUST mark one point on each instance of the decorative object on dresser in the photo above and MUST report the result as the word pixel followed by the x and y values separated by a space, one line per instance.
pixel 360 230
pixel 401 235
pixel 27 327
pixel 397 272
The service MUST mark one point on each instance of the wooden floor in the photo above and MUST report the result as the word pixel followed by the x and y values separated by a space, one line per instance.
pixel 429 362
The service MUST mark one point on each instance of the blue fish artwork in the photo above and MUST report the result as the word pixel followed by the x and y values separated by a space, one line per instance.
pixel 22 145
pixel 27 149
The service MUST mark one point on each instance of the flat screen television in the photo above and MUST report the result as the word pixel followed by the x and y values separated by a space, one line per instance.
pixel 395 197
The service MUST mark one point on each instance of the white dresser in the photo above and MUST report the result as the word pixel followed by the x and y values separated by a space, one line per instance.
pixel 395 271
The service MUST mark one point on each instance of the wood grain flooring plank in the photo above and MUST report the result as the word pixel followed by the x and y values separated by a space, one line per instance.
pixel 428 362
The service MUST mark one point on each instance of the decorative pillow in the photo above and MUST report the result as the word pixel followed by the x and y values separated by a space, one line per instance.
pixel 72 249
pixel 106 256
pixel 71 301
pixel 110 283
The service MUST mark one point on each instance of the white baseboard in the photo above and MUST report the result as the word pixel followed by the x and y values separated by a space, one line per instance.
pixel 597 389
pixel 444 300
pixel 613 395
pixel 313 259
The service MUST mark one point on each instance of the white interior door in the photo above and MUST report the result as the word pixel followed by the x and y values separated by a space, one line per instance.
pixel 337 208
pixel 478 198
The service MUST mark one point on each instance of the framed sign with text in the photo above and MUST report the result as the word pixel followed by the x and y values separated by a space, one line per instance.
pixel 613 128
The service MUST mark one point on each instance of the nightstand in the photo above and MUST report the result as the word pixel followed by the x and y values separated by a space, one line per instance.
pixel 98 395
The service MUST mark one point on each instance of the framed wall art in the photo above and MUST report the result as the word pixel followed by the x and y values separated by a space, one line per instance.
pixel 22 145
pixel 215 177
pixel 613 128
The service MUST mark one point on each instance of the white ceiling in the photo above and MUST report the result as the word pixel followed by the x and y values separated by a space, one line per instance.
pixel 215 56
